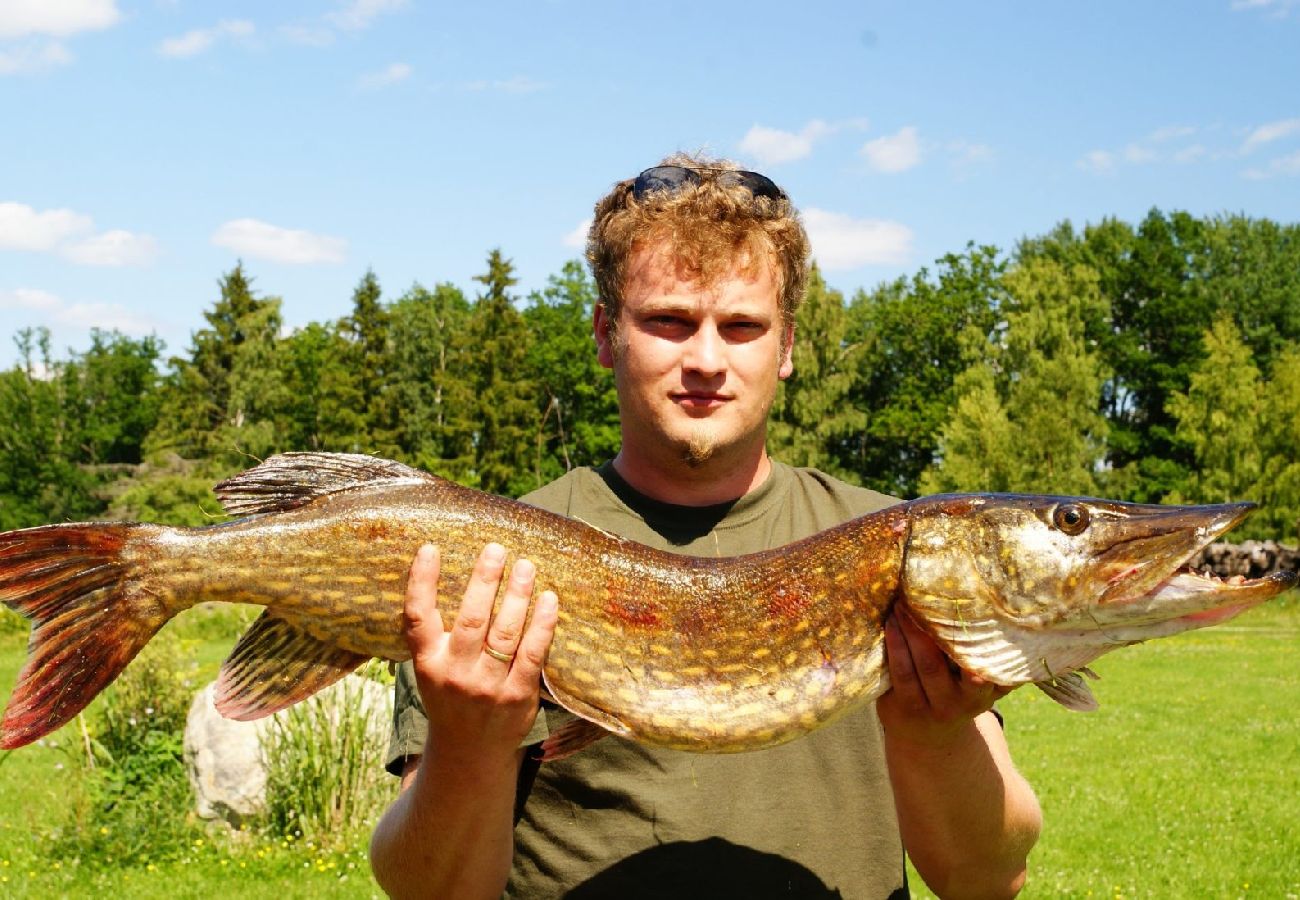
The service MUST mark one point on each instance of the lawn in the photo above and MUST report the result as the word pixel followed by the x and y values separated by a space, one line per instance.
pixel 1184 784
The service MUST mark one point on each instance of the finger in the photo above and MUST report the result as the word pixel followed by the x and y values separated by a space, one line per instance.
pixel 508 624
pixel 422 623
pixel 536 642
pixel 902 671
pixel 934 670
pixel 476 607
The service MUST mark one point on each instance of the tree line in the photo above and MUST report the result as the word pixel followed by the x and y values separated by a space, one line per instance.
pixel 1157 362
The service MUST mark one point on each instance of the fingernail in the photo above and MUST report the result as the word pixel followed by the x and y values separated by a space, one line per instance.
pixel 525 569
pixel 494 553
pixel 548 602
pixel 425 552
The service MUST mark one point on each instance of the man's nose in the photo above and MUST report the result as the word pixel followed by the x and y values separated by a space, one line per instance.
pixel 706 352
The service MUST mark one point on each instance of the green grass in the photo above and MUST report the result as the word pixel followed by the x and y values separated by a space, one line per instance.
pixel 1184 784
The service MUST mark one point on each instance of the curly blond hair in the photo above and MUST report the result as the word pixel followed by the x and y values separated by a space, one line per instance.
pixel 709 226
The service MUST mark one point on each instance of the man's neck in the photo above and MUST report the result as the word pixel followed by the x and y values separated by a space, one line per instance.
pixel 715 481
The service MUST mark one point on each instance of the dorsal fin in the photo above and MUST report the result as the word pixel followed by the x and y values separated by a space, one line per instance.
pixel 289 480
pixel 275 665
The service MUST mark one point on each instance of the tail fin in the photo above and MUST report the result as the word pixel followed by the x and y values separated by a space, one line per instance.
pixel 87 624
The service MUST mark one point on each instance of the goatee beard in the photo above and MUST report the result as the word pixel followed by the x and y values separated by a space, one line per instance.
pixel 699 448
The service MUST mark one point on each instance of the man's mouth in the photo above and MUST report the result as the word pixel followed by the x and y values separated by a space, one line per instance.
pixel 699 399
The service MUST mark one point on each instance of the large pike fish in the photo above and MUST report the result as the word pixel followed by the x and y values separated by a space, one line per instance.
pixel 715 655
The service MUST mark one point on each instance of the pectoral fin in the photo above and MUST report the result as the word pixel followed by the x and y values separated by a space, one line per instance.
pixel 1071 691
pixel 274 665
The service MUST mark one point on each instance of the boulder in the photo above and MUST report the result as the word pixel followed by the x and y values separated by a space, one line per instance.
pixel 224 757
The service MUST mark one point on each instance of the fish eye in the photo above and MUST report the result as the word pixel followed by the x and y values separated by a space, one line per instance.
pixel 1071 518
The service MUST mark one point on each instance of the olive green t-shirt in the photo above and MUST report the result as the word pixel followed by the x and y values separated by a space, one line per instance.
pixel 811 818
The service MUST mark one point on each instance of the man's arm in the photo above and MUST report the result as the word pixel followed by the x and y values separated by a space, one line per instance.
pixel 450 831
pixel 967 816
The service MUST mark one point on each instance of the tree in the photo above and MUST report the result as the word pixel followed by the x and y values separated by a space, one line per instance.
pixel 506 399
pixel 325 406
pixel 1218 417
pixel 223 400
pixel 1027 416
pixel 578 414
pixel 813 415
pixel 367 331
pixel 1278 487
pixel 911 333
pixel 434 407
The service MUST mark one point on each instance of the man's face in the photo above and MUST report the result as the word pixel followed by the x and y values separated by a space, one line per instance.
pixel 696 366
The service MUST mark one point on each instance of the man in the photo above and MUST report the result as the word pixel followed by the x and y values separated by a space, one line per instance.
pixel 700 268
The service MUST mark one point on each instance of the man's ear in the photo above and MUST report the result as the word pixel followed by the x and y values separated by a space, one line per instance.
pixel 787 355
pixel 603 329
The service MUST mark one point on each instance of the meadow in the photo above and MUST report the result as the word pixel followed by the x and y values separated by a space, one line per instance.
pixel 1184 784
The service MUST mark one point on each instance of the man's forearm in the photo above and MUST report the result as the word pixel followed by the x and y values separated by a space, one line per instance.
pixel 967 817
pixel 450 833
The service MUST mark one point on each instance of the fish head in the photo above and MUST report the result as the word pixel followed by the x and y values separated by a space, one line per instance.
pixel 1030 588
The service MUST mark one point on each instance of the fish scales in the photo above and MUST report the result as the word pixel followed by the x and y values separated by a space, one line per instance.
pixel 716 655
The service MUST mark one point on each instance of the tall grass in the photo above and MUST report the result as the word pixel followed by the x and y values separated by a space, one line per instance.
pixel 136 803
pixel 324 761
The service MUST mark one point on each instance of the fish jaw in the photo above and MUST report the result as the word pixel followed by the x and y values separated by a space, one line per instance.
pixel 1013 597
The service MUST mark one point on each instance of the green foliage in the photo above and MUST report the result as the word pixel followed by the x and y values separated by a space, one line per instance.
pixel 222 401
pixel 325 776
pixel 911 333
pixel 71 424
pixel 813 416
pixel 430 416
pixel 1027 417
pixel 579 407
pixel 170 491
pixel 506 404
pixel 137 806
pixel 1075 364
pixel 1219 417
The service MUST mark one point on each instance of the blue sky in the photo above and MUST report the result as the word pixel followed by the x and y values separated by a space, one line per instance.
pixel 149 144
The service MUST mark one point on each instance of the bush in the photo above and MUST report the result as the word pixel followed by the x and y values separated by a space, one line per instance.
pixel 325 779
pixel 137 806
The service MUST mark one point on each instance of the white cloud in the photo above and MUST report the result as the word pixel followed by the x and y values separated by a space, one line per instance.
pixel 358 14
pixel 113 248
pixel 772 146
pixel 68 233
pixel 250 237
pixel 385 77
pixel 1276 9
pixel 29 299
pixel 894 153
pixel 843 242
pixel 58 18
pixel 23 228
pixel 1266 134
pixel 192 43
pixel 310 34
pixel 520 84
pixel 32 58
pixel 1283 166
pixel 55 311
pixel 1098 161
pixel 578 236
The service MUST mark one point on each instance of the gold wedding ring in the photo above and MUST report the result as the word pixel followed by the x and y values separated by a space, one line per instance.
pixel 498 655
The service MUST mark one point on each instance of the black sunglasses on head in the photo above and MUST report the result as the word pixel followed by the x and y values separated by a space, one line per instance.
pixel 671 179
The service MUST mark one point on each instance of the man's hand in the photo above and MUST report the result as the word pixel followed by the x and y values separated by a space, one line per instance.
pixel 930 699
pixel 450 831
pixel 480 680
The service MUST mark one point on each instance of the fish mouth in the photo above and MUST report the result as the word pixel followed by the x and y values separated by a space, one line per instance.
pixel 1151 582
